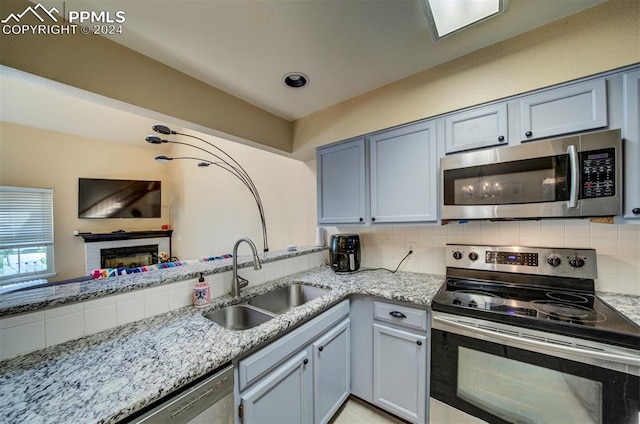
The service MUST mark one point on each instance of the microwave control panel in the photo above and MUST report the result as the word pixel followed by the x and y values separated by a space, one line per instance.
pixel 598 173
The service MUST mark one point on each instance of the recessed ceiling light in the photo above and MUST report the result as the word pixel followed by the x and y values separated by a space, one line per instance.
pixel 295 79
pixel 447 17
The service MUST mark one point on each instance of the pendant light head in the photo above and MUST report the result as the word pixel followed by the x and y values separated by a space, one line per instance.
pixel 203 164
pixel 163 158
pixel 162 129
pixel 154 139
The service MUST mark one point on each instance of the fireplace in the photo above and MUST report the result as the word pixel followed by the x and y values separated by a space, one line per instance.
pixel 129 257
pixel 122 249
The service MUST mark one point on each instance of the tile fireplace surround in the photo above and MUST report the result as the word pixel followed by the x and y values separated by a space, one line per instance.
pixel 94 243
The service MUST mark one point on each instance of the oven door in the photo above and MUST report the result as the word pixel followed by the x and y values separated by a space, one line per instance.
pixel 496 373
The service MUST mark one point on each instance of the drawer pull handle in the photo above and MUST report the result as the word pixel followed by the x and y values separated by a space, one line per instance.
pixel 320 348
pixel 397 314
pixel 306 361
pixel 419 343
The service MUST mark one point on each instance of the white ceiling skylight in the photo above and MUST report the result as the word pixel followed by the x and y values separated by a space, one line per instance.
pixel 446 17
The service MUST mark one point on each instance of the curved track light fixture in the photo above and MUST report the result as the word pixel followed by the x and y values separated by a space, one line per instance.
pixel 223 160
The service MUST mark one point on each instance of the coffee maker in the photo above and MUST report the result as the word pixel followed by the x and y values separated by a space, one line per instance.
pixel 344 252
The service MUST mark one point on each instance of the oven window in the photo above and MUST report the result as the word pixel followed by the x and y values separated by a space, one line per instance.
pixel 523 393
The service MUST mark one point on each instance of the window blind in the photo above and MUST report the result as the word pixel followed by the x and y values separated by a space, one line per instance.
pixel 26 217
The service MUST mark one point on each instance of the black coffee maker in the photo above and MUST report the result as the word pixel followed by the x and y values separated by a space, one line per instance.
pixel 344 251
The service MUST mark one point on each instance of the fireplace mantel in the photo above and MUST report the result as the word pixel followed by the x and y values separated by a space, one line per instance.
pixel 124 235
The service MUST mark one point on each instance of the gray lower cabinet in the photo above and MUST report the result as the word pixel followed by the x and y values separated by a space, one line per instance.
pixel 399 372
pixel 303 377
pixel 563 110
pixel 389 355
pixel 631 135
pixel 285 396
pixel 331 372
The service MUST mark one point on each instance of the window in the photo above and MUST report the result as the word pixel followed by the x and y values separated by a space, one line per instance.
pixel 26 234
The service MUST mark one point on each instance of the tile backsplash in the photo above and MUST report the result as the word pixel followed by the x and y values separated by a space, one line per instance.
pixel 617 245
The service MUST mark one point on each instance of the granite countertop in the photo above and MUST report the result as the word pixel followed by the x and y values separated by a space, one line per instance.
pixel 107 376
pixel 110 375
pixel 58 294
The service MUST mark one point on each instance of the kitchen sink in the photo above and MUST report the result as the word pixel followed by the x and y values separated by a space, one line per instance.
pixel 281 300
pixel 264 307
pixel 239 317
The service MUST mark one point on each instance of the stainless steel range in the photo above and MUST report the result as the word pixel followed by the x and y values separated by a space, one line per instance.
pixel 520 336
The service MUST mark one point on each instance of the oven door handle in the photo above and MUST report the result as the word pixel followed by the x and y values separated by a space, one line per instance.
pixel 551 347
pixel 575 176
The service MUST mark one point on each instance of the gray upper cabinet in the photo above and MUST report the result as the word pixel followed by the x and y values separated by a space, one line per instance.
pixel 341 183
pixel 486 126
pixel 403 167
pixel 631 134
pixel 572 108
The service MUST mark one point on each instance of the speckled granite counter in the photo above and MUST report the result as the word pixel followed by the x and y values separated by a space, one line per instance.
pixel 56 295
pixel 108 376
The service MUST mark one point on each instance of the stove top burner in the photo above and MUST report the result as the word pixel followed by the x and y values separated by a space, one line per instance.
pixel 576 313
pixel 475 298
pixel 551 309
pixel 567 297
pixel 475 285
pixel 548 289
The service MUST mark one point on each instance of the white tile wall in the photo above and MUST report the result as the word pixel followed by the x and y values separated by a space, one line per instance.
pixel 28 332
pixel 617 245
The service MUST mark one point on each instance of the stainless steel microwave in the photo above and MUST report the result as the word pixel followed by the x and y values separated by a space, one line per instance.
pixel 573 176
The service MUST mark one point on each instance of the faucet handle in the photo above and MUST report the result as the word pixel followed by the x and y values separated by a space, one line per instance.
pixel 242 282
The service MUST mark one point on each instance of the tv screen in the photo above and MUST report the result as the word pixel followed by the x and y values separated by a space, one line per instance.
pixel 102 198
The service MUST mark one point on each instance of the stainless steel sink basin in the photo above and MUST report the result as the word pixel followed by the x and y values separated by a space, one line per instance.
pixel 239 317
pixel 281 300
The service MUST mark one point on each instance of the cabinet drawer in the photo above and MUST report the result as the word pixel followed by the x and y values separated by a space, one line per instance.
pixel 258 364
pixel 400 315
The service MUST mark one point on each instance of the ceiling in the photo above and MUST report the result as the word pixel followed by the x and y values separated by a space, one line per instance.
pixel 346 47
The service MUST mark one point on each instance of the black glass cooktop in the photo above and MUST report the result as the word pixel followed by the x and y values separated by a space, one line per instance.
pixel 563 311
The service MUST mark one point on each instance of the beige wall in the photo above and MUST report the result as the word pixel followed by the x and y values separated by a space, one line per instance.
pixel 207 208
pixel 599 39
pixel 31 157
pixel 213 209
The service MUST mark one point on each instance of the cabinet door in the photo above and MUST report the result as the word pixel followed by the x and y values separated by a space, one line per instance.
pixel 631 135
pixel 400 372
pixel 473 129
pixel 341 183
pixel 361 316
pixel 331 372
pixel 404 174
pixel 564 110
pixel 284 396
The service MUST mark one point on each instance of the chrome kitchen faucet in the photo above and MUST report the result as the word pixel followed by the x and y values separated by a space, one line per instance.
pixel 238 282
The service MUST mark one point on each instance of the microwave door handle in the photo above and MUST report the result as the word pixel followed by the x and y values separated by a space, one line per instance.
pixel 575 176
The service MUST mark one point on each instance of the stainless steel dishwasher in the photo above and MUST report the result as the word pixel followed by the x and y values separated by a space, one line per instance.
pixel 209 401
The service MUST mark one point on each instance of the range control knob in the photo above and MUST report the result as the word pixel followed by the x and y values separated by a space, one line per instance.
pixel 473 256
pixel 576 262
pixel 457 255
pixel 554 260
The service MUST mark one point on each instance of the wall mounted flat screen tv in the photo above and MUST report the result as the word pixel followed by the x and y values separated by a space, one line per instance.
pixel 103 198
